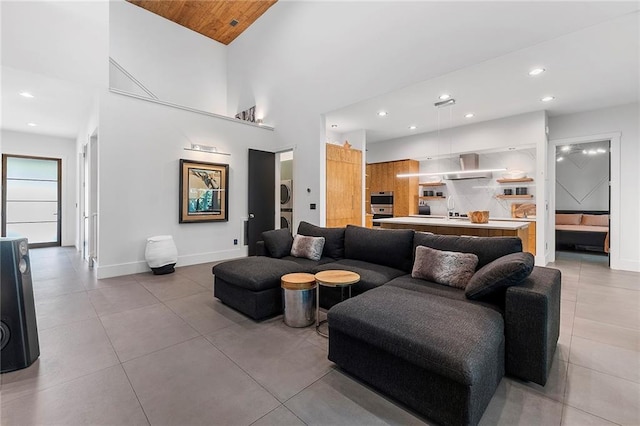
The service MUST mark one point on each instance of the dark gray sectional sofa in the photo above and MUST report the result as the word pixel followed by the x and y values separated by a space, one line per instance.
pixel 426 344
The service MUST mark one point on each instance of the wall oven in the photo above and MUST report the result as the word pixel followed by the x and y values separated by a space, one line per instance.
pixel 381 205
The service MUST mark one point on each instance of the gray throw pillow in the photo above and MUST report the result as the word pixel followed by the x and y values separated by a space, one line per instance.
pixel 504 272
pixel 309 247
pixel 450 268
pixel 278 242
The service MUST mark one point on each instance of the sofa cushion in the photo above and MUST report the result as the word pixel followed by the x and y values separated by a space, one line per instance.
pixel 487 249
pixel 388 247
pixel 422 286
pixel 455 339
pixel 595 220
pixel 568 219
pixel 307 264
pixel 501 273
pixel 450 268
pixel 334 238
pixel 434 289
pixel 371 274
pixel 255 273
pixel 307 247
pixel 278 242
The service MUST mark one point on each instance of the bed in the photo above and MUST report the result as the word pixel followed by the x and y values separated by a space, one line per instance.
pixel 582 230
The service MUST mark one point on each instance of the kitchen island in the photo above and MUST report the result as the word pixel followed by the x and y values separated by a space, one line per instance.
pixel 460 226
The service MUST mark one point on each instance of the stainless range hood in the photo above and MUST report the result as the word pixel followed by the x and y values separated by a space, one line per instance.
pixel 469 169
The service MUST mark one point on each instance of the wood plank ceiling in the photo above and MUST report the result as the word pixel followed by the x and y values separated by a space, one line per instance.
pixel 211 18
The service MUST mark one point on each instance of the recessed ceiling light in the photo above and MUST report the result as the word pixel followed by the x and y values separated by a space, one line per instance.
pixel 470 115
pixel 26 95
pixel 547 99
pixel 565 148
pixel 412 127
pixel 537 71
pixel 382 113
pixel 559 159
pixel 31 124
pixel 444 97
pixel 334 126
pixel 601 150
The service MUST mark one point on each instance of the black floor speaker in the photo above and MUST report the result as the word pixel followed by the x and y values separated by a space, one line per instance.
pixel 18 330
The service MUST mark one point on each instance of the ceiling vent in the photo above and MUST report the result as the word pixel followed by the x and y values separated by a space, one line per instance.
pixel 234 22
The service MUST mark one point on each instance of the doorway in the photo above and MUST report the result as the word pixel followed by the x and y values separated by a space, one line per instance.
pixel 583 199
pixel 286 190
pixel 31 194
pixel 89 200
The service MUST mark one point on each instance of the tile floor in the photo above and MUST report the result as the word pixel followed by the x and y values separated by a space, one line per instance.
pixel 160 350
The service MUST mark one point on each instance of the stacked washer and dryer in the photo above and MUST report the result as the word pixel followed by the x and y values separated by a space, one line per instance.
pixel 286 204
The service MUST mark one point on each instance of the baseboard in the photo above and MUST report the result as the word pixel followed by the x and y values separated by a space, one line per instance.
pixel 625 265
pixel 109 271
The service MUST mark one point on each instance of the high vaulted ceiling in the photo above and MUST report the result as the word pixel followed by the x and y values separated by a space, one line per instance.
pixel 211 18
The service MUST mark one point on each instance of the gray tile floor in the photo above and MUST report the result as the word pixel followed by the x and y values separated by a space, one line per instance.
pixel 146 349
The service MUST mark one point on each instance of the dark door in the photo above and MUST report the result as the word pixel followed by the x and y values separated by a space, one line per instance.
pixel 262 196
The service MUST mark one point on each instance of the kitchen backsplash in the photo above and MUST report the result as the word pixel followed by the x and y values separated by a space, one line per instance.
pixel 480 194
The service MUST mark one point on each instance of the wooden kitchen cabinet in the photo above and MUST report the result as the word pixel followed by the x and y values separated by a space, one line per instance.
pixel 405 190
pixel 344 186
pixel 383 177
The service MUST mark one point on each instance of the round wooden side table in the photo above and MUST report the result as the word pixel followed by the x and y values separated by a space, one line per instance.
pixel 332 278
pixel 298 299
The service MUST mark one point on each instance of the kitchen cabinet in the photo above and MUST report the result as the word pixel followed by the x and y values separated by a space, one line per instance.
pixel 344 186
pixel 405 202
pixel 383 177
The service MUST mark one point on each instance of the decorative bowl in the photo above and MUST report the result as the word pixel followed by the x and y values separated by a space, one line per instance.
pixel 479 216
pixel 514 174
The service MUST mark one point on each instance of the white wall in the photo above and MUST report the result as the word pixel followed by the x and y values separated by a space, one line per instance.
pixel 479 194
pixel 60 39
pixel 140 145
pixel 518 131
pixel 623 119
pixel 32 144
pixel 177 64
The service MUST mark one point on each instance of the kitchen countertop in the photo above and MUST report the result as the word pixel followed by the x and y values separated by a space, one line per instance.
pixel 508 219
pixel 454 222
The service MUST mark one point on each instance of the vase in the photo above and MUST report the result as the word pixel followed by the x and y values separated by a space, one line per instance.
pixel 161 254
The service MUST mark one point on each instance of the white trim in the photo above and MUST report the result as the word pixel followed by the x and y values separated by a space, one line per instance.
pixel 108 271
pixel 615 260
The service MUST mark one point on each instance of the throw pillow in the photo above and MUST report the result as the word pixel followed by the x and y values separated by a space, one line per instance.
pixel 334 238
pixel 444 267
pixel 278 242
pixel 309 247
pixel 568 218
pixel 595 220
pixel 509 270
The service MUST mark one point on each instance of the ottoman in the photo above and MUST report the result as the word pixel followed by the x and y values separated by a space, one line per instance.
pixel 443 358
pixel 252 285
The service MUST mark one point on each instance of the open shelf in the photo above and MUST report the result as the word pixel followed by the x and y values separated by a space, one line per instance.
pixel 526 179
pixel 432 184
pixel 431 198
pixel 515 196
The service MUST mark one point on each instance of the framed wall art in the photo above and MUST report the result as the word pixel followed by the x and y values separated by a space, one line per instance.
pixel 204 191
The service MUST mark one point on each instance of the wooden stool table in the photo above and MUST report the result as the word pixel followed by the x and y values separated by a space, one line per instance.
pixel 332 278
pixel 298 301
